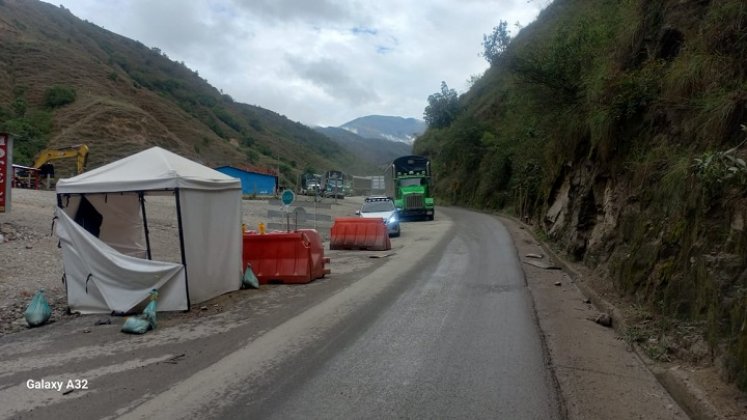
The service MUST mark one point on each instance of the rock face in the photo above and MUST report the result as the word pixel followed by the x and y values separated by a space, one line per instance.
pixel 583 213
pixel 685 258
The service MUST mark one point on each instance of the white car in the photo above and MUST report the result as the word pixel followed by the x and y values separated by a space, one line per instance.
pixel 382 208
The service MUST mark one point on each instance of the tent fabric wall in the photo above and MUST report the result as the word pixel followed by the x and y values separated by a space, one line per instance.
pixel 204 216
pixel 122 227
pixel 100 279
pixel 209 210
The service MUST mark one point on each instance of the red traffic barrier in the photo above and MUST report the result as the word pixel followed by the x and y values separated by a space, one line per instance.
pixel 287 257
pixel 318 260
pixel 359 233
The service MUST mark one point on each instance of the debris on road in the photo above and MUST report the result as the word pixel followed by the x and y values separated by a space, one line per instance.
pixel 604 320
pixel 542 264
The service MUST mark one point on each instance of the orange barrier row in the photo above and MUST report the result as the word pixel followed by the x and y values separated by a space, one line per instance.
pixel 359 233
pixel 288 257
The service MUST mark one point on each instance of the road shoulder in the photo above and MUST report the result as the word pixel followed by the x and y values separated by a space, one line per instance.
pixel 599 374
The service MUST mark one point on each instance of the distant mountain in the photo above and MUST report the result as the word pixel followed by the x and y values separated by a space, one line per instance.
pixel 399 129
pixel 376 151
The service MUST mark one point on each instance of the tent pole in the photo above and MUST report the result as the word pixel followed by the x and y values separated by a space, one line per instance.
pixel 181 244
pixel 141 195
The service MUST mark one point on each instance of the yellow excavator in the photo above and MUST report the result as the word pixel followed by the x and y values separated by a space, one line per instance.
pixel 79 151
pixel 30 177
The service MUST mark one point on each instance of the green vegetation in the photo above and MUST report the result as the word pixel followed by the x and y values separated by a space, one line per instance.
pixel 30 132
pixel 631 110
pixel 30 128
pixel 58 96
pixel 496 43
pixel 442 107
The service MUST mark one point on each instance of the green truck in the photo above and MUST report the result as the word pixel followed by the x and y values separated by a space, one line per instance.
pixel 408 182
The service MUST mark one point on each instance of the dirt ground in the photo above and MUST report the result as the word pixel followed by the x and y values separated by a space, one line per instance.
pixel 31 260
pixel 599 372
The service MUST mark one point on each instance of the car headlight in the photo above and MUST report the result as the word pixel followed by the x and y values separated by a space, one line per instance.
pixel 392 219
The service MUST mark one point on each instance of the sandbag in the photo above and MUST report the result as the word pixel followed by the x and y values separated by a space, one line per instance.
pixel 149 313
pixel 146 321
pixel 250 280
pixel 38 312
pixel 136 325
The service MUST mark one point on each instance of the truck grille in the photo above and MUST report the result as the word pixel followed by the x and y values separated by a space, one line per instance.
pixel 414 201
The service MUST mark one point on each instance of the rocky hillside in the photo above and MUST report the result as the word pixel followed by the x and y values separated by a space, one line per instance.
pixel 615 127
pixel 65 81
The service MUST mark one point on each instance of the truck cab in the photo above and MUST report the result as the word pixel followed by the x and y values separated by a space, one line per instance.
pixel 408 182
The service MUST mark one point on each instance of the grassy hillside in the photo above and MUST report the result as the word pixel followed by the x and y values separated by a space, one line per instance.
pixel 615 126
pixel 64 81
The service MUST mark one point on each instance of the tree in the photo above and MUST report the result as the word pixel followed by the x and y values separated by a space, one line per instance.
pixel 496 43
pixel 442 108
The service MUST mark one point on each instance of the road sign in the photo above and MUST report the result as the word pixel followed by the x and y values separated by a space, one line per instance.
pixel 287 197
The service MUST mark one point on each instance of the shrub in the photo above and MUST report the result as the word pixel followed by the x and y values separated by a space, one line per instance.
pixel 58 96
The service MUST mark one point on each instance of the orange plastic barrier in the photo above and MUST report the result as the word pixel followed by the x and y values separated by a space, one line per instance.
pixel 287 257
pixel 359 233
pixel 318 260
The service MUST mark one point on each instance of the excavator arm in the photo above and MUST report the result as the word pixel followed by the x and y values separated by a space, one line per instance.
pixel 79 151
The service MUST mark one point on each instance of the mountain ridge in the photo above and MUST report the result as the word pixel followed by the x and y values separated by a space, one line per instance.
pixel 376 151
pixel 392 128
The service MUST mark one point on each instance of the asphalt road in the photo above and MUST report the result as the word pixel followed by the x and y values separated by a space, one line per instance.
pixel 457 340
pixel 441 327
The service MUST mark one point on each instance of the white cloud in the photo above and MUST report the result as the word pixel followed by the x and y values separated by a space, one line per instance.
pixel 322 62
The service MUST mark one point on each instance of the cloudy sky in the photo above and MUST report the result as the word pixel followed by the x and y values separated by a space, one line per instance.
pixel 319 62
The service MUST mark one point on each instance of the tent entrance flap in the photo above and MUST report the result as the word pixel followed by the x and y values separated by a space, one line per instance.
pixel 88 217
pixel 100 279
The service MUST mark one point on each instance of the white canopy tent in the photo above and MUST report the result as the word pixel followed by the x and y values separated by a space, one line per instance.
pixel 103 231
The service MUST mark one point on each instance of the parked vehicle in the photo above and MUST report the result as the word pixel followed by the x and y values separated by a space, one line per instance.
pixel 311 184
pixel 361 185
pixel 381 207
pixel 333 184
pixel 29 177
pixel 408 181
pixel 79 152
pixel 378 184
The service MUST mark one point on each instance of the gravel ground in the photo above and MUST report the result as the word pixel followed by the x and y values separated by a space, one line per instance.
pixel 31 260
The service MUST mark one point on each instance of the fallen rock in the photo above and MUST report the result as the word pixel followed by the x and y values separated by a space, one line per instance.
pixel 604 320
pixel 535 256
pixel 542 264
pixel 557 283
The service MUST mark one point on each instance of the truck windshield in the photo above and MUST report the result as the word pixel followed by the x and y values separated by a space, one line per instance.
pixel 409 181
